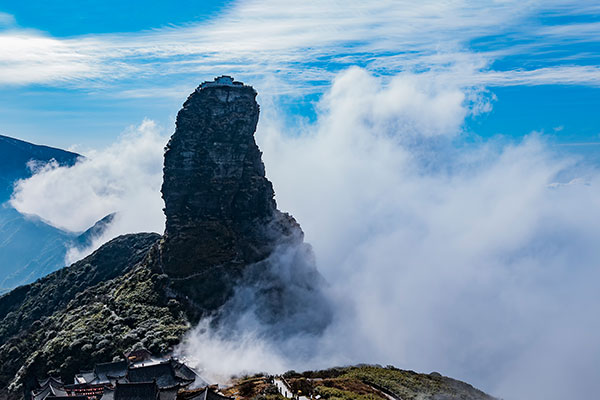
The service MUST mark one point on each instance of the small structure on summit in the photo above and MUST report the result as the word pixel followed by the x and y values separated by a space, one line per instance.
pixel 223 80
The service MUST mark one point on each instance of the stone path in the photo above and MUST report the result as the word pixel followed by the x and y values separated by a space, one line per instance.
pixel 286 391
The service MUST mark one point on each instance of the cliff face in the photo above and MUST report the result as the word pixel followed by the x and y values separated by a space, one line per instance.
pixel 220 207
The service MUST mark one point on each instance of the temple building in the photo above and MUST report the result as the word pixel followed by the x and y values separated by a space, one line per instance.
pixel 138 376
pixel 223 80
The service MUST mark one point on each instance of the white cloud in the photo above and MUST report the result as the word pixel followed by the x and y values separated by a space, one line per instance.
pixel 410 104
pixel 465 260
pixel 123 178
pixel 29 57
pixel 306 43
pixel 560 75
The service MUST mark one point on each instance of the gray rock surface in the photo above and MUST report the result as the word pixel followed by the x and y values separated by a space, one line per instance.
pixel 220 207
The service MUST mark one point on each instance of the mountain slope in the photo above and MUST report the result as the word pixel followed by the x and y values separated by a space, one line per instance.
pixel 362 382
pixel 89 312
pixel 29 248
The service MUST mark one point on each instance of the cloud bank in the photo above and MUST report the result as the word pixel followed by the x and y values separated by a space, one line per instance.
pixel 124 178
pixel 477 259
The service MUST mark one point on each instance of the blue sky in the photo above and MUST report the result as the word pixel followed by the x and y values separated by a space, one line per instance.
pixel 79 73
pixel 69 18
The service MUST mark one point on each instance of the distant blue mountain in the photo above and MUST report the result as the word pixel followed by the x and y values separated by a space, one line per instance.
pixel 16 154
pixel 29 247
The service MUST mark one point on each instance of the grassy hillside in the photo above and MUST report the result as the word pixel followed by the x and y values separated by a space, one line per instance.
pixel 364 382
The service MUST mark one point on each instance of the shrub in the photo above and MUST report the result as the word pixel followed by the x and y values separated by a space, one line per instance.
pixel 246 389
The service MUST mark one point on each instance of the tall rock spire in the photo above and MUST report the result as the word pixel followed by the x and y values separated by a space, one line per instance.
pixel 220 207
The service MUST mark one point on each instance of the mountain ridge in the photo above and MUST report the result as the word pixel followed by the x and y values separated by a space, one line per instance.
pixel 15 155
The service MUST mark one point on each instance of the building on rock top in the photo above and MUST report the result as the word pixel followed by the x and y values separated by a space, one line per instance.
pixel 223 80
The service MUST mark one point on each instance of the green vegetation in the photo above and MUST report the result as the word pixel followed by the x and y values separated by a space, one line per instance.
pixel 118 299
pixel 333 393
pixel 258 387
pixel 91 312
pixel 370 382
pixel 363 382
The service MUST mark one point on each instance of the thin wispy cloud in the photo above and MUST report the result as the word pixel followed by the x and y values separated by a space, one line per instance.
pixel 6 20
pixel 305 43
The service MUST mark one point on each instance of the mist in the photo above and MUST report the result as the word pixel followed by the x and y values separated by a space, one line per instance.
pixel 124 178
pixel 476 259
pixel 440 251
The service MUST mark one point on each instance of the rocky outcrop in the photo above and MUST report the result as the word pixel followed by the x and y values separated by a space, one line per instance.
pixel 220 207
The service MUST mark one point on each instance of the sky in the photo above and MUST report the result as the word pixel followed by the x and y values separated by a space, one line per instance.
pixel 441 156
pixel 88 70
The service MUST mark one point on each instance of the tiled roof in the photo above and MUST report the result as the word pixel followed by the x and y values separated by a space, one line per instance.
pixel 184 372
pixel 44 382
pixel 50 387
pixel 204 394
pixel 162 373
pixel 136 391
pixel 168 394
pixel 85 377
pixel 105 371
pixel 41 394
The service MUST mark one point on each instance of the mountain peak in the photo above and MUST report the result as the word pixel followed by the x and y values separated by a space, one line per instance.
pixel 220 207
pixel 215 190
